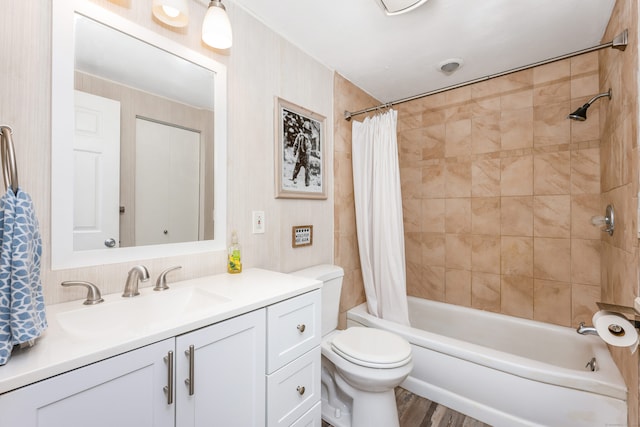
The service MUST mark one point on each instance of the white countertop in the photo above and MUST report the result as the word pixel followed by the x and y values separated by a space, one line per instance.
pixel 59 349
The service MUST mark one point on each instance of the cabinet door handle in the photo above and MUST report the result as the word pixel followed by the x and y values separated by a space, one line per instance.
pixel 189 381
pixel 301 327
pixel 300 390
pixel 169 387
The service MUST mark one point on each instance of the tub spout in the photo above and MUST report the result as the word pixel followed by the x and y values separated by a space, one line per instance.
pixel 586 330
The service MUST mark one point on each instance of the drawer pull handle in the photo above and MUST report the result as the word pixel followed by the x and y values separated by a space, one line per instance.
pixel 169 387
pixel 300 390
pixel 301 328
pixel 189 381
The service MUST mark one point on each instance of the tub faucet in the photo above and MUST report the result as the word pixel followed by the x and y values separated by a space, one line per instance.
pixel 137 274
pixel 586 330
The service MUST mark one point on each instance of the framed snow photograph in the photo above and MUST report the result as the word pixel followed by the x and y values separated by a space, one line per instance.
pixel 300 152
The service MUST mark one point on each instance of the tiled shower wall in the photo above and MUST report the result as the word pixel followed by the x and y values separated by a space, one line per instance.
pixel 498 190
pixel 619 161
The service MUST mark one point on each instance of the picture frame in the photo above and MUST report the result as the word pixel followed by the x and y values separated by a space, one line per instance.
pixel 300 166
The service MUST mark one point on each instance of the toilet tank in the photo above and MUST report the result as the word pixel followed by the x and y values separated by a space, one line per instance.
pixel 331 278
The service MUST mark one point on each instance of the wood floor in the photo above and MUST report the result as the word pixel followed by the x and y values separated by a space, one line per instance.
pixel 415 411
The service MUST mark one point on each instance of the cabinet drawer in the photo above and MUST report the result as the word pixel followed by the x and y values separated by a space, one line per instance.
pixel 287 400
pixel 293 328
pixel 313 417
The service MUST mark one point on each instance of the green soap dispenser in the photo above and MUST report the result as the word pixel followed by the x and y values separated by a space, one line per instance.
pixel 235 264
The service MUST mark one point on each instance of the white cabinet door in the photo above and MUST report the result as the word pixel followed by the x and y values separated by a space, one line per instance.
pixel 226 372
pixel 123 391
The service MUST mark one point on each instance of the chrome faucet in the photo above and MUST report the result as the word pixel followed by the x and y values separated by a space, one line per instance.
pixel 161 283
pixel 586 330
pixel 139 273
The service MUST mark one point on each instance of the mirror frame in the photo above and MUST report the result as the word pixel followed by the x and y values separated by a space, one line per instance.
pixel 62 84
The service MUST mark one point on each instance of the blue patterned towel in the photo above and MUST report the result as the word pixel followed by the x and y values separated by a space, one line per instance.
pixel 22 315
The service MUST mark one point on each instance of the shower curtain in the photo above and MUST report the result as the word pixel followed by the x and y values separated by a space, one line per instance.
pixel 378 202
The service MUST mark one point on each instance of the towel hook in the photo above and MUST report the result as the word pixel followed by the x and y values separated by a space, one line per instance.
pixel 8 156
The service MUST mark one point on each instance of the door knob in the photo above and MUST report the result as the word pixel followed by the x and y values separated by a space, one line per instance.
pixel 110 243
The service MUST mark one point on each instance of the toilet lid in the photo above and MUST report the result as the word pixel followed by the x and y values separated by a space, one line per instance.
pixel 372 347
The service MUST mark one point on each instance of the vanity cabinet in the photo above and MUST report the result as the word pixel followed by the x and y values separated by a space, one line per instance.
pixel 259 368
pixel 217 379
pixel 126 390
pixel 293 361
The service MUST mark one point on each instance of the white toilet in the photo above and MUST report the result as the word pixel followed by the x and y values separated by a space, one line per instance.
pixel 360 366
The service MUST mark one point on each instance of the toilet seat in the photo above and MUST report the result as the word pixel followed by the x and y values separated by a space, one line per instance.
pixel 372 348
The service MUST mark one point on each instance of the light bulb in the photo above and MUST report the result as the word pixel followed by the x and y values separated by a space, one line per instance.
pixel 171 12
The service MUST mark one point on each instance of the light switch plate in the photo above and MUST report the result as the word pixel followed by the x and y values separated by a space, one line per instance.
pixel 257 222
pixel 301 235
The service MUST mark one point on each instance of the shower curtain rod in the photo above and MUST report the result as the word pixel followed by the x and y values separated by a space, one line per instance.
pixel 619 42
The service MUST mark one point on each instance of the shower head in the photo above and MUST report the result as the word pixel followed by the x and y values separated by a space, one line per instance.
pixel 581 113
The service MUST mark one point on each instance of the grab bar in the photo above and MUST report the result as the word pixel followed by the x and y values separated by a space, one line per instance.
pixel 8 157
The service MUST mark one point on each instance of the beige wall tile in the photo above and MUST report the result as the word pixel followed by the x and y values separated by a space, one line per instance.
pixel 516 256
pixel 552 173
pixel 485 178
pixel 458 251
pixel 457 215
pixel 585 261
pixel 485 215
pixel 485 134
pixel 584 63
pixel 433 249
pixel 516 216
pixel 550 124
pixel 485 254
pixel 552 73
pixel 458 138
pixel 585 85
pixel 516 129
pixel 458 287
pixel 583 303
pixel 413 247
pixel 517 100
pixel 433 215
pixel 411 215
pixel 516 296
pixel 411 182
pixel 583 208
pixel 552 302
pixel 457 179
pixel 516 178
pixel 552 259
pixel 485 291
pixel 585 171
pixel 432 181
pixel 433 141
pixel 552 216
pixel 552 92
pixel 432 284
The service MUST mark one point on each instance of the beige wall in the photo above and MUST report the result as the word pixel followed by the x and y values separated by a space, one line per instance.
pixel 619 172
pixel 261 65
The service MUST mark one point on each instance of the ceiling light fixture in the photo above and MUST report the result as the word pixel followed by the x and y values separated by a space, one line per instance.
pixel 450 66
pixel 216 27
pixel 397 7
pixel 172 12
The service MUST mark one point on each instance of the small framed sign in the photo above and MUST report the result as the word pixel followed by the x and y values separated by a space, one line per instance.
pixel 301 235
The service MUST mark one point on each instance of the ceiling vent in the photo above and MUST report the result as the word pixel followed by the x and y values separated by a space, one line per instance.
pixel 450 66
pixel 396 7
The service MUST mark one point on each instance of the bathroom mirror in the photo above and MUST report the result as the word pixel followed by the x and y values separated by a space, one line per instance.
pixel 176 96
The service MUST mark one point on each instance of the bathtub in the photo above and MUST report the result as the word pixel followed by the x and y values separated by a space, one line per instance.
pixel 507 371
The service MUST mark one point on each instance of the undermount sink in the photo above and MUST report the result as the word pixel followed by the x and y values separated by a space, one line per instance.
pixel 144 313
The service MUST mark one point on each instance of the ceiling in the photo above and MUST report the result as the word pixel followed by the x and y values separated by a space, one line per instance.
pixel 393 57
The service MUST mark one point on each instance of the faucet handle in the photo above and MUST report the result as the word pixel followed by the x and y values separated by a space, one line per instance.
pixel 93 293
pixel 161 283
